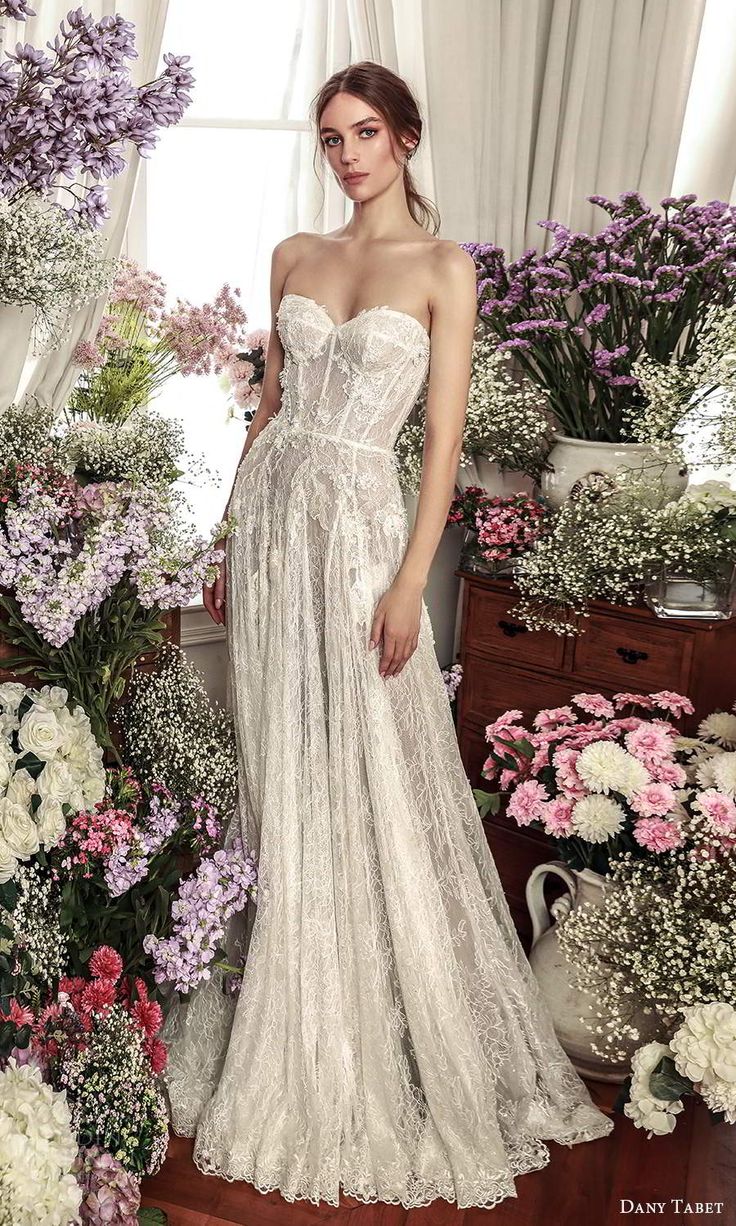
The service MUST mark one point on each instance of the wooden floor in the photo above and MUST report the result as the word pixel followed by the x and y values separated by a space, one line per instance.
pixel 581 1186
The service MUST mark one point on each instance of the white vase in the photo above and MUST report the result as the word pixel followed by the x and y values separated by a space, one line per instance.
pixel 567 1004
pixel 15 337
pixel 501 481
pixel 577 463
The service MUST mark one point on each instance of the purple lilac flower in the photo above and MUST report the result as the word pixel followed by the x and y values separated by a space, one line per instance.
pixel 216 891
pixel 71 113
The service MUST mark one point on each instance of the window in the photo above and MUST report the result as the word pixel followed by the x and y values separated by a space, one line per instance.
pixel 225 185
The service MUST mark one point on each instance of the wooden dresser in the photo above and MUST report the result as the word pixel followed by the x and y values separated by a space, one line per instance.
pixel 506 665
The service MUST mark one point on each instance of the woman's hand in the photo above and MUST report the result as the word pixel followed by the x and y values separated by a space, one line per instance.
pixel 213 596
pixel 396 619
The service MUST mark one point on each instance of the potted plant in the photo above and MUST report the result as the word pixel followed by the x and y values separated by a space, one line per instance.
pixel 497 530
pixel 578 316
pixel 600 788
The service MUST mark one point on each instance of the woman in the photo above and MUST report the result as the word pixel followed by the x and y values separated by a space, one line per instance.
pixel 389 1039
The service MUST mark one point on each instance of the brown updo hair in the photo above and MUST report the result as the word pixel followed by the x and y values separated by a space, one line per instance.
pixel 390 96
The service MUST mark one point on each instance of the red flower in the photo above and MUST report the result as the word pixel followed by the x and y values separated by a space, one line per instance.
pixel 148 1015
pixel 98 995
pixel 106 963
pixel 21 1015
pixel 157 1054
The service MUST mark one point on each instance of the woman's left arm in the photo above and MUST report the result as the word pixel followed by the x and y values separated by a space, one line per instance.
pixel 397 615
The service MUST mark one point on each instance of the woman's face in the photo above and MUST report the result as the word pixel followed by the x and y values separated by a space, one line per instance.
pixel 356 140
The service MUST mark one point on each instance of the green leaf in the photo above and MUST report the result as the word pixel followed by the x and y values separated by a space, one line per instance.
pixel 487 802
pixel 665 1081
pixel 152 1217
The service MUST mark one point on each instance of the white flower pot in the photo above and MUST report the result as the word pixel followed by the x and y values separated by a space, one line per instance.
pixel 15 338
pixel 501 481
pixel 577 463
pixel 567 1004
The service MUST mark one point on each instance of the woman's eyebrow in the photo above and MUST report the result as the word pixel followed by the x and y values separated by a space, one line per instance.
pixel 352 125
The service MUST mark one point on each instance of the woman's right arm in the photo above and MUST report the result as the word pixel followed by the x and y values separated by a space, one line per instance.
pixel 213 597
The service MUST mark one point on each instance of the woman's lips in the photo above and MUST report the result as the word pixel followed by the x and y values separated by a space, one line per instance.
pixel 355 177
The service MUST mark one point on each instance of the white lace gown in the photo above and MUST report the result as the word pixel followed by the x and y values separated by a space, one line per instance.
pixel 389 1040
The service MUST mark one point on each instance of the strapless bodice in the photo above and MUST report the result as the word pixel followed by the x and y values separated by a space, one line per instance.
pixel 356 381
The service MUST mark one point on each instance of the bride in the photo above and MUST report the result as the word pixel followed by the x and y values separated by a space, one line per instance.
pixel 389 1040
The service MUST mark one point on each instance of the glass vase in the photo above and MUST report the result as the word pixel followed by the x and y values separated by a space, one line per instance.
pixel 472 559
pixel 679 594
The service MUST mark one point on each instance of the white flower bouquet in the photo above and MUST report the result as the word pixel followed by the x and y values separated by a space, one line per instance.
pixel 50 769
pixel 610 783
pixel 700 1058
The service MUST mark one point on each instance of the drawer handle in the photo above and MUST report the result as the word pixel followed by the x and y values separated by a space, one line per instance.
pixel 512 628
pixel 630 655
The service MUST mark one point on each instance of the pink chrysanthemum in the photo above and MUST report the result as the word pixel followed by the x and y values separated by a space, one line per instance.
pixel 676 704
pixel 653 800
pixel 719 809
pixel 550 717
pixel 527 803
pixel 557 817
pixel 594 704
pixel 657 835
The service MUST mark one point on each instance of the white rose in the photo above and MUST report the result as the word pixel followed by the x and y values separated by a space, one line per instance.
pixel 21 787
pixel 18 829
pixel 654 1114
pixel 50 821
pixel 55 780
pixel 52 697
pixel 8 862
pixel 8 725
pixel 93 787
pixel 11 693
pixel 6 771
pixel 40 734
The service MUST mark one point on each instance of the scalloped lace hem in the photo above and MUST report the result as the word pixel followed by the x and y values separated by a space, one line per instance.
pixel 486 1194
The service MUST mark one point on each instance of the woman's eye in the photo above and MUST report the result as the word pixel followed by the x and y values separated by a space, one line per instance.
pixel 328 139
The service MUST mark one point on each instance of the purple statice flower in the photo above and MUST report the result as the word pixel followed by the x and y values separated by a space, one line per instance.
pixel 218 889
pixel 646 280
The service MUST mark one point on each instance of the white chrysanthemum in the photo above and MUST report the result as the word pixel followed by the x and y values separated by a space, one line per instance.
pixel 596 818
pixel 605 766
pixel 719 727
pixel 723 767
pixel 721 1096
pixel 704 1046
pixel 37 1149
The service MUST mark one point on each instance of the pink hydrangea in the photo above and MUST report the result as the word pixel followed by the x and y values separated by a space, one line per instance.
pixel 719 809
pixel 656 834
pixel 594 704
pixel 528 801
pixel 654 800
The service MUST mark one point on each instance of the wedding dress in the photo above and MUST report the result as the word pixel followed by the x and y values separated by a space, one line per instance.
pixel 389 1040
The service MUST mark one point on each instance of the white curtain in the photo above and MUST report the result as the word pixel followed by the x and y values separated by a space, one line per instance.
pixel 52 376
pixel 535 104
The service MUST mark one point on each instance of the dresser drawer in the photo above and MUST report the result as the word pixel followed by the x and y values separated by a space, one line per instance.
pixel 490 687
pixel 490 627
pixel 633 654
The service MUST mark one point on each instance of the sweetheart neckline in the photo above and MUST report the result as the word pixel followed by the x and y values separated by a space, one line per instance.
pixel 364 311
